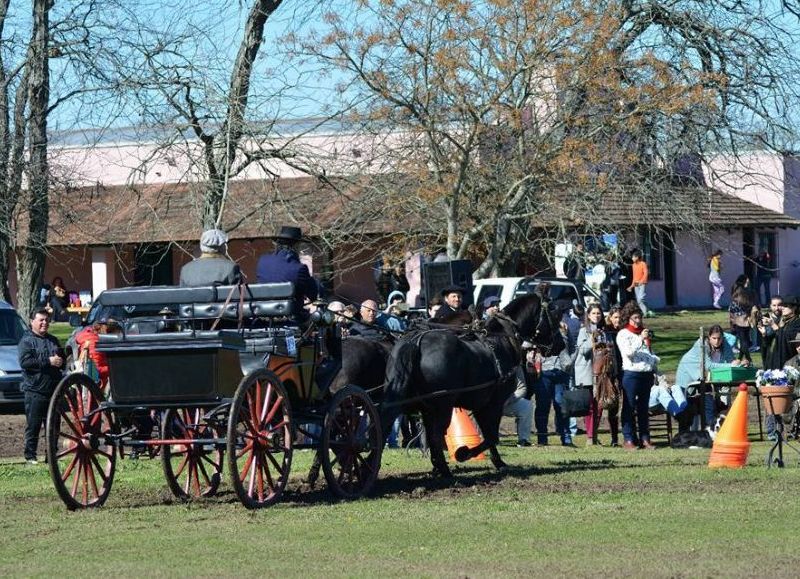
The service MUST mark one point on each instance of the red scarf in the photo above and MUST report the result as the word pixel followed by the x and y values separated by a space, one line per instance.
pixel 633 329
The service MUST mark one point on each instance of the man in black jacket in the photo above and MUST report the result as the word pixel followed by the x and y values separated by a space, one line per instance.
pixel 41 359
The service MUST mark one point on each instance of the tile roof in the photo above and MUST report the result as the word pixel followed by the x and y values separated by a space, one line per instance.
pixel 254 209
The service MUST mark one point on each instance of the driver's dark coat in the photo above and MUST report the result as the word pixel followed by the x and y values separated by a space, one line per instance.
pixel 282 266
pixel 38 375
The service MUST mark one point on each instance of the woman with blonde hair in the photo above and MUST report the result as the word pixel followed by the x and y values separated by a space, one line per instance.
pixel 715 277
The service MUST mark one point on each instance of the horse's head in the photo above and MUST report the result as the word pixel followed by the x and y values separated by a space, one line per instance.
pixel 535 323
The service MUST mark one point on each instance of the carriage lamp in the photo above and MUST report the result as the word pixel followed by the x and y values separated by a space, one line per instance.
pixel 323 317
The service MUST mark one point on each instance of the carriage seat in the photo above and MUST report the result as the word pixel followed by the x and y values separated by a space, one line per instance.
pixel 265 300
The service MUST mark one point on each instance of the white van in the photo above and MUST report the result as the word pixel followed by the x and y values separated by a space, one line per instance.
pixel 563 291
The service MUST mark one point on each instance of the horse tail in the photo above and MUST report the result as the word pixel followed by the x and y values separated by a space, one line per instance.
pixel 403 365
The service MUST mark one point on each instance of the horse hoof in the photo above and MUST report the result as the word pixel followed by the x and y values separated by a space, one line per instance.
pixel 500 465
pixel 463 453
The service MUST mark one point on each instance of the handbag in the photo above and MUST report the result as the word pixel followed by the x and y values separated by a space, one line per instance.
pixel 576 402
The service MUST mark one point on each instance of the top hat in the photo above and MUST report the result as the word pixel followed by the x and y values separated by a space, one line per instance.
pixel 796 339
pixel 452 289
pixel 289 233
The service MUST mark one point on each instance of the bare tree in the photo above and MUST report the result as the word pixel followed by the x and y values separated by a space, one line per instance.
pixel 30 260
pixel 522 121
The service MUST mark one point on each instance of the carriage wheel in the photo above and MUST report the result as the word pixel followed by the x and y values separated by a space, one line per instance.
pixel 351 443
pixel 80 458
pixel 191 470
pixel 260 439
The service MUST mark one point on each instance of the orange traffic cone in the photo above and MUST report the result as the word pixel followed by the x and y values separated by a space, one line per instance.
pixel 462 432
pixel 731 445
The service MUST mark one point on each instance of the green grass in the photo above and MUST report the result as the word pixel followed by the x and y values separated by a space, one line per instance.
pixel 583 512
pixel 557 512
pixel 61 330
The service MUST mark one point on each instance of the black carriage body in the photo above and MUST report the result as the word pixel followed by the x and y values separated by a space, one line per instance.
pixel 153 369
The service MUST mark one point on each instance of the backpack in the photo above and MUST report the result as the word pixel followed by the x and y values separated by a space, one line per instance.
pixel 607 391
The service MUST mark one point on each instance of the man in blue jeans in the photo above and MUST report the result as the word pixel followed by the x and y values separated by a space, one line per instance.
pixel 549 390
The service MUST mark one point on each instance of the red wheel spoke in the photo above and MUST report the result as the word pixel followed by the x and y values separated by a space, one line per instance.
pixel 275 407
pixel 260 473
pixel 77 475
pixel 263 408
pixel 247 448
pixel 66 451
pixel 182 465
pixel 69 468
pixel 247 466
pixel 67 435
pixel 91 476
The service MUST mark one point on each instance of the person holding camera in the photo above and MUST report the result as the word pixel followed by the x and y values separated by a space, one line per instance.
pixel 638 372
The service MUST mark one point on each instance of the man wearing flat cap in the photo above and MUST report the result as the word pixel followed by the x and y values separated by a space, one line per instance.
pixel 794 361
pixel 491 306
pixel 453 297
pixel 213 266
pixel 283 265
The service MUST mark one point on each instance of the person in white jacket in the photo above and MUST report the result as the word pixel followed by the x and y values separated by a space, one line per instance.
pixel 638 371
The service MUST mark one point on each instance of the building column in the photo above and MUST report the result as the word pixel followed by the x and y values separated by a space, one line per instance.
pixel 101 270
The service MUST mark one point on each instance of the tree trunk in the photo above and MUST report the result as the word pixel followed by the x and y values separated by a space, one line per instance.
pixel 226 142
pixel 30 264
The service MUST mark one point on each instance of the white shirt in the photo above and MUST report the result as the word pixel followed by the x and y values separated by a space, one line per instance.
pixel 636 356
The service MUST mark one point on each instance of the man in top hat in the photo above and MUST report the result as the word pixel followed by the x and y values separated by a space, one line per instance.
pixel 284 265
pixel 453 297
pixel 213 266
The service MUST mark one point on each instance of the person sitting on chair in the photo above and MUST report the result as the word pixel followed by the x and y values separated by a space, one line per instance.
pixel 283 265
pixel 718 353
pixel 213 267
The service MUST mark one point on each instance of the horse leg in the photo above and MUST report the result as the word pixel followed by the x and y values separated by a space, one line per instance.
pixel 435 434
pixel 489 422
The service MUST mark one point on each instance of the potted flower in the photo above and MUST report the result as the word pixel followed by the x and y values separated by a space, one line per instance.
pixel 776 388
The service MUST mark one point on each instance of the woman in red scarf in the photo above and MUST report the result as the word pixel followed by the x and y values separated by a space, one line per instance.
pixel 638 371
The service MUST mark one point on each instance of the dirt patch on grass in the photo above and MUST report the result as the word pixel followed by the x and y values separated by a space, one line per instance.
pixel 12 436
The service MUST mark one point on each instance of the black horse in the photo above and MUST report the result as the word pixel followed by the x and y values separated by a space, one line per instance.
pixel 435 369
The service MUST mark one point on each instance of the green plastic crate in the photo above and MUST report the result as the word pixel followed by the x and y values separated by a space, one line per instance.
pixel 733 374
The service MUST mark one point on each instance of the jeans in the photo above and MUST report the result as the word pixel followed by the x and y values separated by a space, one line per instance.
pixel 673 400
pixel 394 433
pixel 763 281
pixel 522 410
pixel 35 414
pixel 641 293
pixel 549 390
pixel 636 402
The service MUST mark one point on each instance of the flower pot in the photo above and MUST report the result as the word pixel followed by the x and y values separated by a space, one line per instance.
pixel 777 399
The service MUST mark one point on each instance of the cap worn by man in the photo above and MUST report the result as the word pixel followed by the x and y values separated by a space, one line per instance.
pixel 791 301
pixel 491 301
pixel 213 241
pixel 796 339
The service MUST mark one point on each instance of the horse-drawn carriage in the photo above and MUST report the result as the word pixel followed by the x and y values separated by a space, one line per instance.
pixel 245 396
